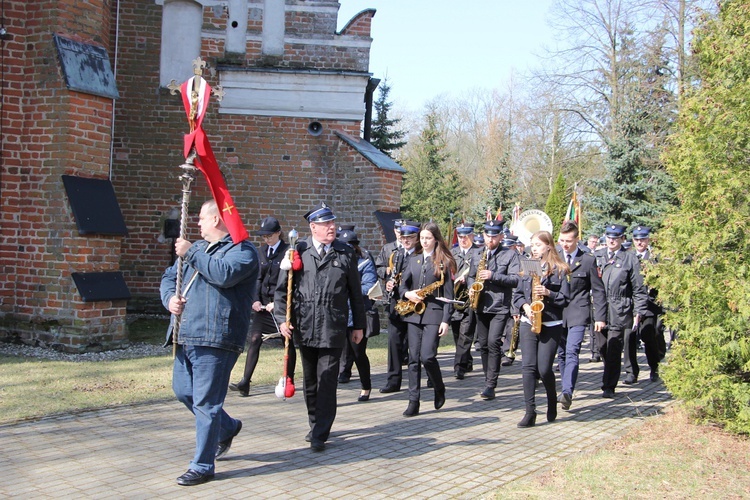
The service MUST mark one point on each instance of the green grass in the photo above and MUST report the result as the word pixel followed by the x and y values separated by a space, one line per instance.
pixel 32 388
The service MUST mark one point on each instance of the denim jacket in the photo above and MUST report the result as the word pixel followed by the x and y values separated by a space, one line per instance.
pixel 217 311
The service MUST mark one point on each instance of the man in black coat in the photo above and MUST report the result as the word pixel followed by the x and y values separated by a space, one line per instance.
pixel 323 290
pixel 626 303
pixel 585 283
pixel 652 338
pixel 499 278
pixel 272 251
pixel 462 320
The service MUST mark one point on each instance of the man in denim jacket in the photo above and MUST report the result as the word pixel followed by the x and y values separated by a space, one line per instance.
pixel 219 280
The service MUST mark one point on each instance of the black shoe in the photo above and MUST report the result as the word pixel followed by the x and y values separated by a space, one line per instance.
pixel 244 390
pixel 469 367
pixel 630 379
pixel 459 374
pixel 317 445
pixel 654 377
pixel 364 397
pixel 595 359
pixel 488 393
pixel 528 420
pixel 390 388
pixel 308 437
pixel 224 446
pixel 193 477
pixel 506 362
pixel 412 410
pixel 565 401
pixel 551 412
pixel 343 379
pixel 608 393
pixel 439 398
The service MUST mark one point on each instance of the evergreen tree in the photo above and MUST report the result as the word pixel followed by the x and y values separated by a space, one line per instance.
pixel 431 189
pixel 384 135
pixel 501 192
pixel 557 202
pixel 703 276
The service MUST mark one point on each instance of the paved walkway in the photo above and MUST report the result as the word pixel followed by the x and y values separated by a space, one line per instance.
pixel 468 449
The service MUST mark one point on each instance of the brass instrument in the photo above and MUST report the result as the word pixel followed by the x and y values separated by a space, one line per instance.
pixel 404 307
pixel 394 262
pixel 478 285
pixel 514 334
pixel 537 305
pixel 460 290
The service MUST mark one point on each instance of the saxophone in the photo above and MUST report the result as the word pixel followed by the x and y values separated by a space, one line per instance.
pixel 537 305
pixel 394 263
pixel 404 307
pixel 460 292
pixel 478 285
pixel 514 336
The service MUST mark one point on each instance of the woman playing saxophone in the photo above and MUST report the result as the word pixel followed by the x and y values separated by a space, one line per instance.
pixel 552 288
pixel 421 285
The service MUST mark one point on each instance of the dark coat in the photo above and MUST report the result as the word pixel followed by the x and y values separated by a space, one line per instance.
pixel 554 305
pixel 383 258
pixel 585 284
pixel 322 293
pixel 623 285
pixel 269 272
pixel 505 265
pixel 418 274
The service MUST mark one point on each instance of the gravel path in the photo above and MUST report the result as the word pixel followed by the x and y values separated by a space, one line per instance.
pixel 135 350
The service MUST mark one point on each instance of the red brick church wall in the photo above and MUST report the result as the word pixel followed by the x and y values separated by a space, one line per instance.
pixel 272 165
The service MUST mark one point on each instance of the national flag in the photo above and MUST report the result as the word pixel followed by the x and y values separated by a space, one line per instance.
pixel 206 161
pixel 574 210
pixel 499 215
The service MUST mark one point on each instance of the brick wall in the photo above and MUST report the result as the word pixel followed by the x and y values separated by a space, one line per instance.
pixel 272 165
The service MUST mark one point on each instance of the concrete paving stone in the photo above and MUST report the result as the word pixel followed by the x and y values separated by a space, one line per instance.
pixel 374 452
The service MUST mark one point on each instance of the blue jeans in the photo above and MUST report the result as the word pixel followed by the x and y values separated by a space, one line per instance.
pixel 200 378
pixel 568 354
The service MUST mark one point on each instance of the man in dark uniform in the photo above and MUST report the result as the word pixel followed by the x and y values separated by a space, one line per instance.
pixel 272 251
pixel 396 262
pixel 649 334
pixel 462 320
pixel 324 290
pixel 626 303
pixel 585 283
pixel 499 278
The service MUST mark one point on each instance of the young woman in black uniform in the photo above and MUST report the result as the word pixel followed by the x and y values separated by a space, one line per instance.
pixel 539 350
pixel 421 286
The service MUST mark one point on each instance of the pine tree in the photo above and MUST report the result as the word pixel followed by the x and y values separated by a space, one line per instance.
pixel 384 135
pixel 501 192
pixel 703 276
pixel 431 189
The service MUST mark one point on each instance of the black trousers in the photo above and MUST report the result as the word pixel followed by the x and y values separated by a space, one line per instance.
pixel 320 371
pixel 263 322
pixel 490 332
pixel 356 354
pixel 423 346
pixel 610 341
pixel 538 356
pixel 650 335
pixel 397 347
pixel 463 334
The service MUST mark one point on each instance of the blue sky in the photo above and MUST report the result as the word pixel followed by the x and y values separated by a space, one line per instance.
pixel 434 47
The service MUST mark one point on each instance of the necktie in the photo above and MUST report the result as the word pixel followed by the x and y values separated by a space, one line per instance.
pixel 611 255
pixel 270 252
pixel 570 260
pixel 640 256
pixel 322 251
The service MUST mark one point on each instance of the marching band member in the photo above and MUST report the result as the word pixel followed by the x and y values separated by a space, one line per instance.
pixel 539 349
pixel 626 303
pixel 466 254
pixel 585 284
pixel 427 276
pixel 499 277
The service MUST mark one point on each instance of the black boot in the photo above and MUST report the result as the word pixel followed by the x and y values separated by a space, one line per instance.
pixel 529 420
pixel 412 410
pixel 439 398
pixel 551 411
